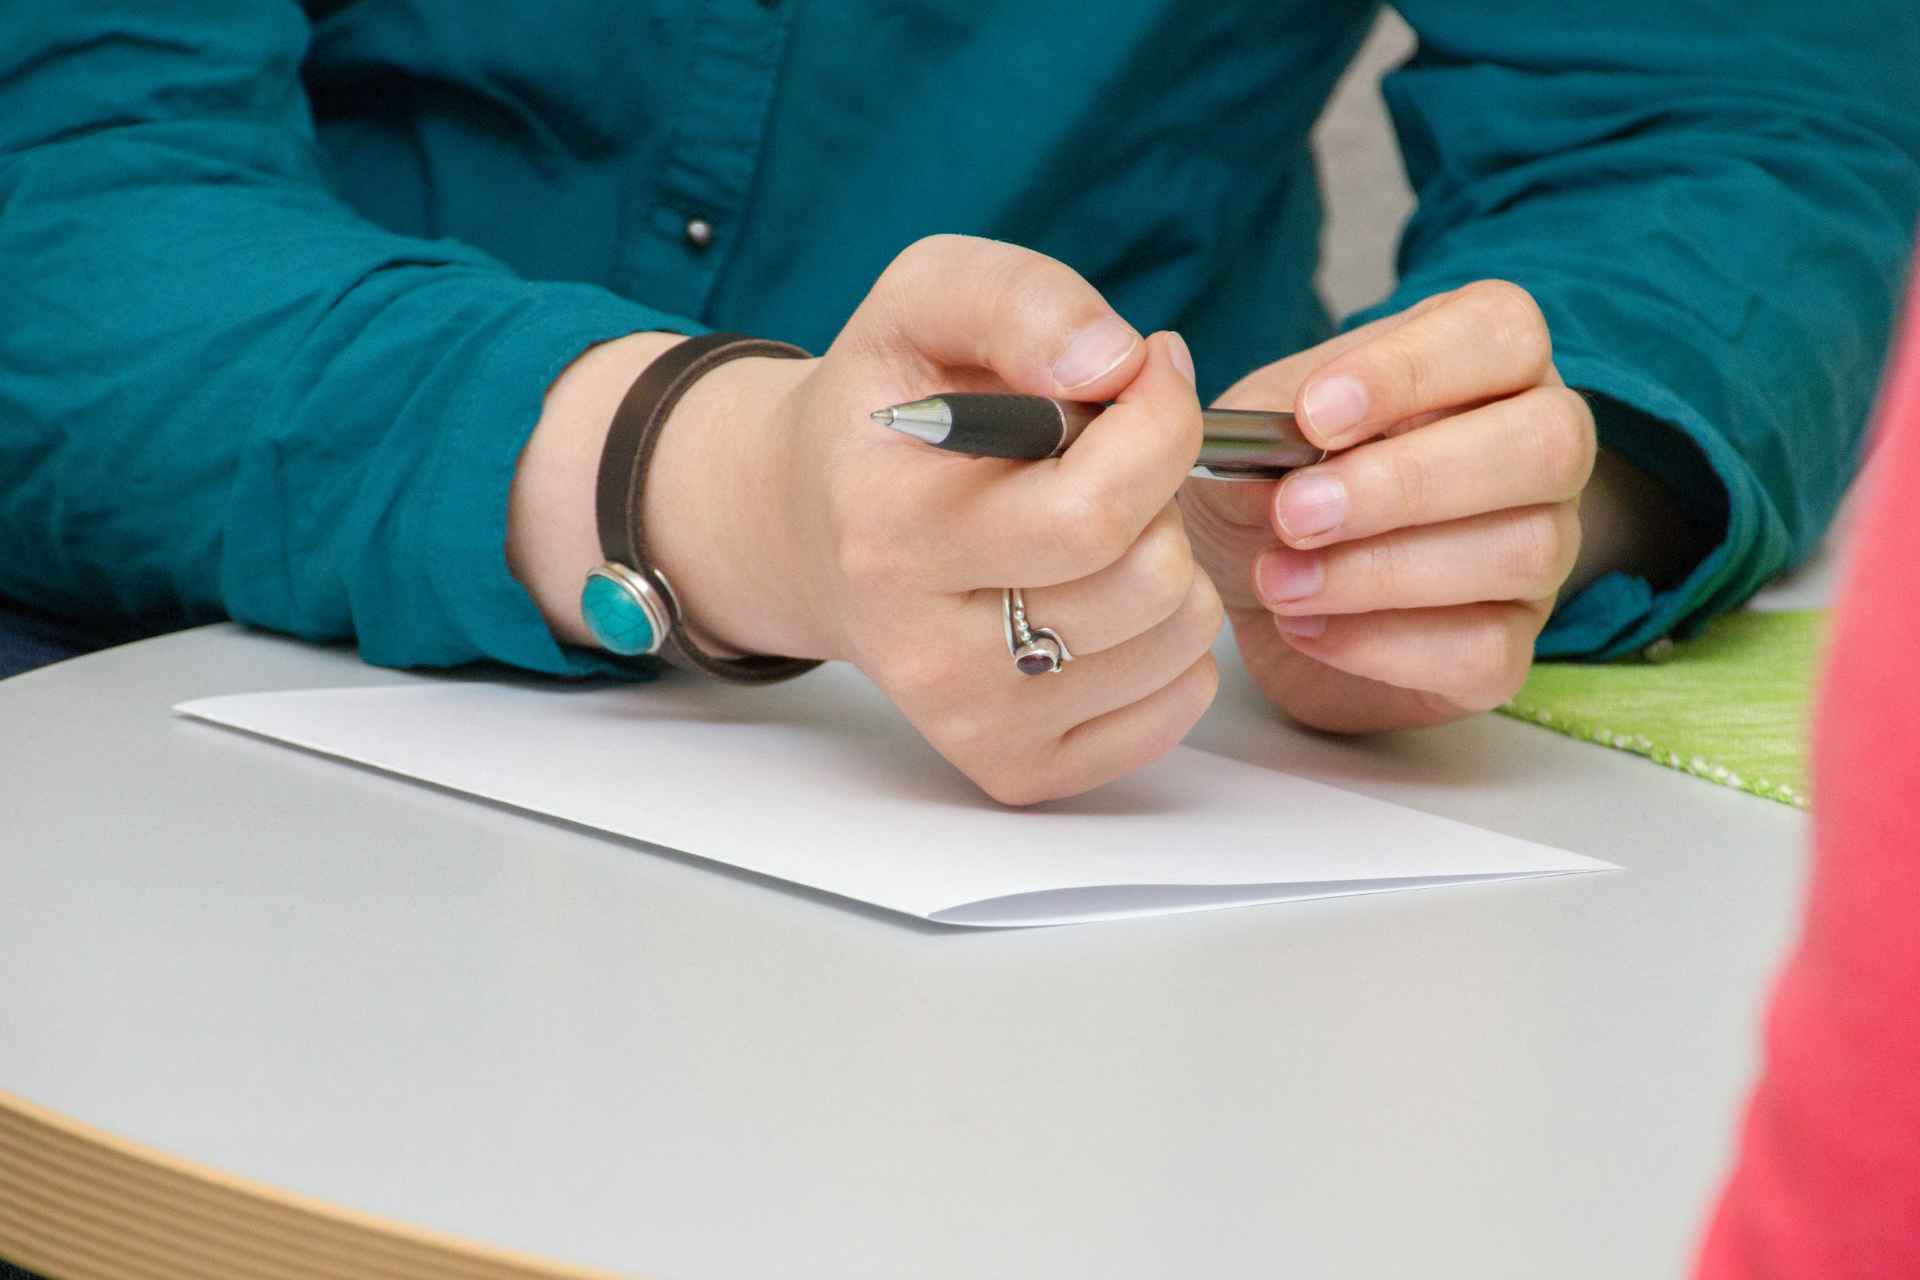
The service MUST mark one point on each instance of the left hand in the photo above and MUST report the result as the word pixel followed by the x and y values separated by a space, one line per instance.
pixel 1403 580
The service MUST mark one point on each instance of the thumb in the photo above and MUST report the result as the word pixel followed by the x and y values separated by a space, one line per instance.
pixel 1033 322
pixel 1068 517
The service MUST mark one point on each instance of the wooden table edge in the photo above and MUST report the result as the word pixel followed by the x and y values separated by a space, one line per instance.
pixel 76 1201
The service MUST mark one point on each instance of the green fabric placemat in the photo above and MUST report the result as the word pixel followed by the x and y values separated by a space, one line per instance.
pixel 1729 706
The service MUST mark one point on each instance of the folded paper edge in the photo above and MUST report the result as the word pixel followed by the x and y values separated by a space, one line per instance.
pixel 1087 904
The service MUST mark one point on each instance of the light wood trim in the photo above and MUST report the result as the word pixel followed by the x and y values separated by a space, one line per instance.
pixel 77 1203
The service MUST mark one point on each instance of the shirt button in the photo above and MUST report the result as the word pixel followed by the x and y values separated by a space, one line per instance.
pixel 699 232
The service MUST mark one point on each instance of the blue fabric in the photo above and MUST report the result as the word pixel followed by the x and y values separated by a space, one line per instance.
pixel 28 641
pixel 285 284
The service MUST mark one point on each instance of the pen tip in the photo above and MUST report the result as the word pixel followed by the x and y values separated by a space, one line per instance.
pixel 882 416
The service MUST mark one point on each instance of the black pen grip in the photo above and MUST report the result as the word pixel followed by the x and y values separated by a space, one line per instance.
pixel 1000 425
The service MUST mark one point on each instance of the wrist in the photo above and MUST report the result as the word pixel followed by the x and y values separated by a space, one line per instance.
pixel 1631 522
pixel 716 504
pixel 718 511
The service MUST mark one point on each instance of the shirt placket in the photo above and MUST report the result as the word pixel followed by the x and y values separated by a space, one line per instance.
pixel 707 174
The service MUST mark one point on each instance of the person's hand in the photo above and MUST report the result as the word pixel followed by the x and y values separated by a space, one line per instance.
pixel 1402 581
pixel 893 554
pixel 790 523
pixel 900 551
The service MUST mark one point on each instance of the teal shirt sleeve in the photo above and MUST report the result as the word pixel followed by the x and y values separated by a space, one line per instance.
pixel 1712 205
pixel 222 392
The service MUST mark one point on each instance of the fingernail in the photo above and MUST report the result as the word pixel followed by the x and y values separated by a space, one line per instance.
pixel 1312 624
pixel 1309 502
pixel 1182 357
pixel 1093 351
pixel 1283 574
pixel 1333 405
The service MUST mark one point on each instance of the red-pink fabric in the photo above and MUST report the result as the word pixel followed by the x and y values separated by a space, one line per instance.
pixel 1827 1180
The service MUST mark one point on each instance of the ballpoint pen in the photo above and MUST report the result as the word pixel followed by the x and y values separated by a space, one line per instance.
pixel 1239 444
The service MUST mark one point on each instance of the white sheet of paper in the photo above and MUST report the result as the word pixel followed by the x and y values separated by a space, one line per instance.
pixel 820 782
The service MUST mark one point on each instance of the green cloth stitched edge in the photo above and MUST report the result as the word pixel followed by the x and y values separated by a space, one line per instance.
pixel 1728 706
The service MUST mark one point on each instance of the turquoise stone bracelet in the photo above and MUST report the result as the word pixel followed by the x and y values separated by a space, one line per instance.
pixel 624 612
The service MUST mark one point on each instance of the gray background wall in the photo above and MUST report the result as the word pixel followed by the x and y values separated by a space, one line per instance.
pixel 1366 191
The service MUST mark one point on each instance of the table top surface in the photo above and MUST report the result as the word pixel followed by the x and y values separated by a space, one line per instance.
pixel 464 1018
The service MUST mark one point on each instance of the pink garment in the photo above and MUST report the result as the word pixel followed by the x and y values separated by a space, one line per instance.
pixel 1827 1181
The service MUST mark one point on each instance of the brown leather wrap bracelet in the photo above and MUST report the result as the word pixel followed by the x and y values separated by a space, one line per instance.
pixel 618 501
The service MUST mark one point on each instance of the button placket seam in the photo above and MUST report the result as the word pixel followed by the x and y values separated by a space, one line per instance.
pixel 709 173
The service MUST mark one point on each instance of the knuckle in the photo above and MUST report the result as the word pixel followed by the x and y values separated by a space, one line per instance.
pixel 1512 314
pixel 914 675
pixel 1208 685
pixel 1091 529
pixel 1383 567
pixel 1406 369
pixel 977 731
pixel 1160 567
pixel 932 255
pixel 903 266
pixel 1032 280
pixel 1019 781
pixel 1205 610
pixel 1566 523
pixel 1488 671
pixel 1197 686
pixel 1013 289
pixel 1407 475
pixel 1026 292
pixel 1559 429
pixel 1534 552
pixel 1579 442
pixel 1500 296
pixel 937 245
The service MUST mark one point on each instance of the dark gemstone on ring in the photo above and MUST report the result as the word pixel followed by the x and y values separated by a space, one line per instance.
pixel 1034 663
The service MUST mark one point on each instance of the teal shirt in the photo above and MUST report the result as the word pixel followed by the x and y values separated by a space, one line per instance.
pixel 281 288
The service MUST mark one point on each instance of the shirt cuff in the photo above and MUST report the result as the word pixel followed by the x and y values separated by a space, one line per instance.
pixel 480 450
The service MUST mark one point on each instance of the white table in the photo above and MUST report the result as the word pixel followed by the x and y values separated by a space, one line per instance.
pixel 477 1022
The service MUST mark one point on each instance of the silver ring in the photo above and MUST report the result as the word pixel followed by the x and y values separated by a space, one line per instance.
pixel 1036 651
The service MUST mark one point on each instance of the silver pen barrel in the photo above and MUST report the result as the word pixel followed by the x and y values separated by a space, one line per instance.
pixel 1254 439
pixel 1247 444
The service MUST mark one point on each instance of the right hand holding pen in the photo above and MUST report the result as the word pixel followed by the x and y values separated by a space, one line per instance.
pixel 883 552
